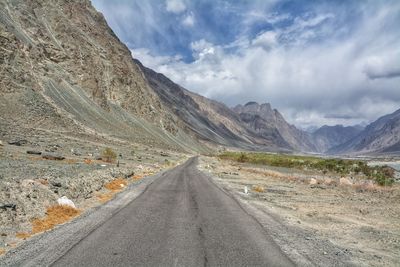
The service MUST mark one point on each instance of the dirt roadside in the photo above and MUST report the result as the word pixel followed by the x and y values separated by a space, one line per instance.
pixel 315 223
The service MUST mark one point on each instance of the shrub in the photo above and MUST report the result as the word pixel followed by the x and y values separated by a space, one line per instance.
pixel 243 157
pixel 108 155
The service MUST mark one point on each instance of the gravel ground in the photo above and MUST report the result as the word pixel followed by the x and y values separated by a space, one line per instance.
pixel 29 183
pixel 322 224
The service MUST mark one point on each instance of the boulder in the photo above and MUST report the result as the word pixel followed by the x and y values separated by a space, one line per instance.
pixel 34 152
pixel 64 201
pixel 313 181
pixel 18 142
pixel 8 206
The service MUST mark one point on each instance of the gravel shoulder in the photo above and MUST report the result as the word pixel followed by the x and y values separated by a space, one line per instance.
pixel 316 224
pixel 30 183
pixel 44 249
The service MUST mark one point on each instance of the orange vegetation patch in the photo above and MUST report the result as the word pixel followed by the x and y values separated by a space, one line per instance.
pixel 116 185
pixel 105 197
pixel 88 161
pixel 70 161
pixel 137 177
pixel 56 214
pixel 259 188
pixel 2 251
pixel 22 235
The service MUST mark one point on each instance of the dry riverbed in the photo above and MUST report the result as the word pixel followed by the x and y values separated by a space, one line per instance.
pixel 315 219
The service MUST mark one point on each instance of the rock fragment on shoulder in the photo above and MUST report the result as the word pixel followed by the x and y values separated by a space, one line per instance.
pixel 64 201
pixel 53 157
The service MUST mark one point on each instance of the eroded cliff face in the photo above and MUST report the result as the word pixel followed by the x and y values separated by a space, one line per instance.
pixel 69 41
pixel 62 68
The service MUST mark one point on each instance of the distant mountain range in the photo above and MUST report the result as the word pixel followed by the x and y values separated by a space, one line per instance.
pixel 65 71
pixel 381 136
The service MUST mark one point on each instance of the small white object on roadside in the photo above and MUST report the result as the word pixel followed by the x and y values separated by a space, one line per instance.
pixel 122 185
pixel 103 165
pixel 246 190
pixel 64 201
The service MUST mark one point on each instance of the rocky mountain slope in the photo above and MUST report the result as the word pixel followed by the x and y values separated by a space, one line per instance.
pixel 381 136
pixel 327 137
pixel 270 124
pixel 62 69
pixel 209 120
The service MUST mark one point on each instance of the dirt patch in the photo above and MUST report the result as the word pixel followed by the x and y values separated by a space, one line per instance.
pixel 314 218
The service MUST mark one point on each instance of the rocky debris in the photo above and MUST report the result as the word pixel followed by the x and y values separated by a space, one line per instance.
pixel 56 183
pixel 34 152
pixel 53 157
pixel 8 206
pixel 164 154
pixel 313 181
pixel 18 142
pixel 64 201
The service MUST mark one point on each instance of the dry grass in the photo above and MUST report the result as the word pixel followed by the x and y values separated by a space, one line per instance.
pixel 116 185
pixel 88 161
pixel 70 161
pixel 105 197
pixel 258 188
pixel 2 251
pixel 22 235
pixel 56 214
pixel 137 177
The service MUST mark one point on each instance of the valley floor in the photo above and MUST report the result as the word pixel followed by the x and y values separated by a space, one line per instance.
pixel 312 217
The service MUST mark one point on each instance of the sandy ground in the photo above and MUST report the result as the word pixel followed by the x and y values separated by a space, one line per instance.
pixel 322 223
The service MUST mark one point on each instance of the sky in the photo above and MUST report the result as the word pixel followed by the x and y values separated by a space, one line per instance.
pixel 318 62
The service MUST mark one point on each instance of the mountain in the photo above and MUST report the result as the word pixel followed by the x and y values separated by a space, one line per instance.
pixel 381 136
pixel 328 137
pixel 206 119
pixel 270 124
pixel 64 71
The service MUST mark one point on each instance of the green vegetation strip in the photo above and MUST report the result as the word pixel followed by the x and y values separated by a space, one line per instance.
pixel 383 175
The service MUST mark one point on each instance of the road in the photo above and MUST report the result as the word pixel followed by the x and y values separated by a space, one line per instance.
pixel 182 219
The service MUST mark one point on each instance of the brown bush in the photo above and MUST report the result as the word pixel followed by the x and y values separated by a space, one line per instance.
pixel 259 188
pixel 108 155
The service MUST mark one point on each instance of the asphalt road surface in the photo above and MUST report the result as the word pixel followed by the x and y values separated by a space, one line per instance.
pixel 182 219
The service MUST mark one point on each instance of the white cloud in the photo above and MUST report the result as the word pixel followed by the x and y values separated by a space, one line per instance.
pixel 350 76
pixel 175 6
pixel 266 40
pixel 189 20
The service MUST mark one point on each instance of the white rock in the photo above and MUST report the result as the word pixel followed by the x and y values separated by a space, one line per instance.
pixel 313 181
pixel 246 190
pixel 64 201
pixel 121 185
pixel 1 143
pixel 345 181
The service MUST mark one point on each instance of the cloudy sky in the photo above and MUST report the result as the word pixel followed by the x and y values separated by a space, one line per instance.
pixel 318 62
